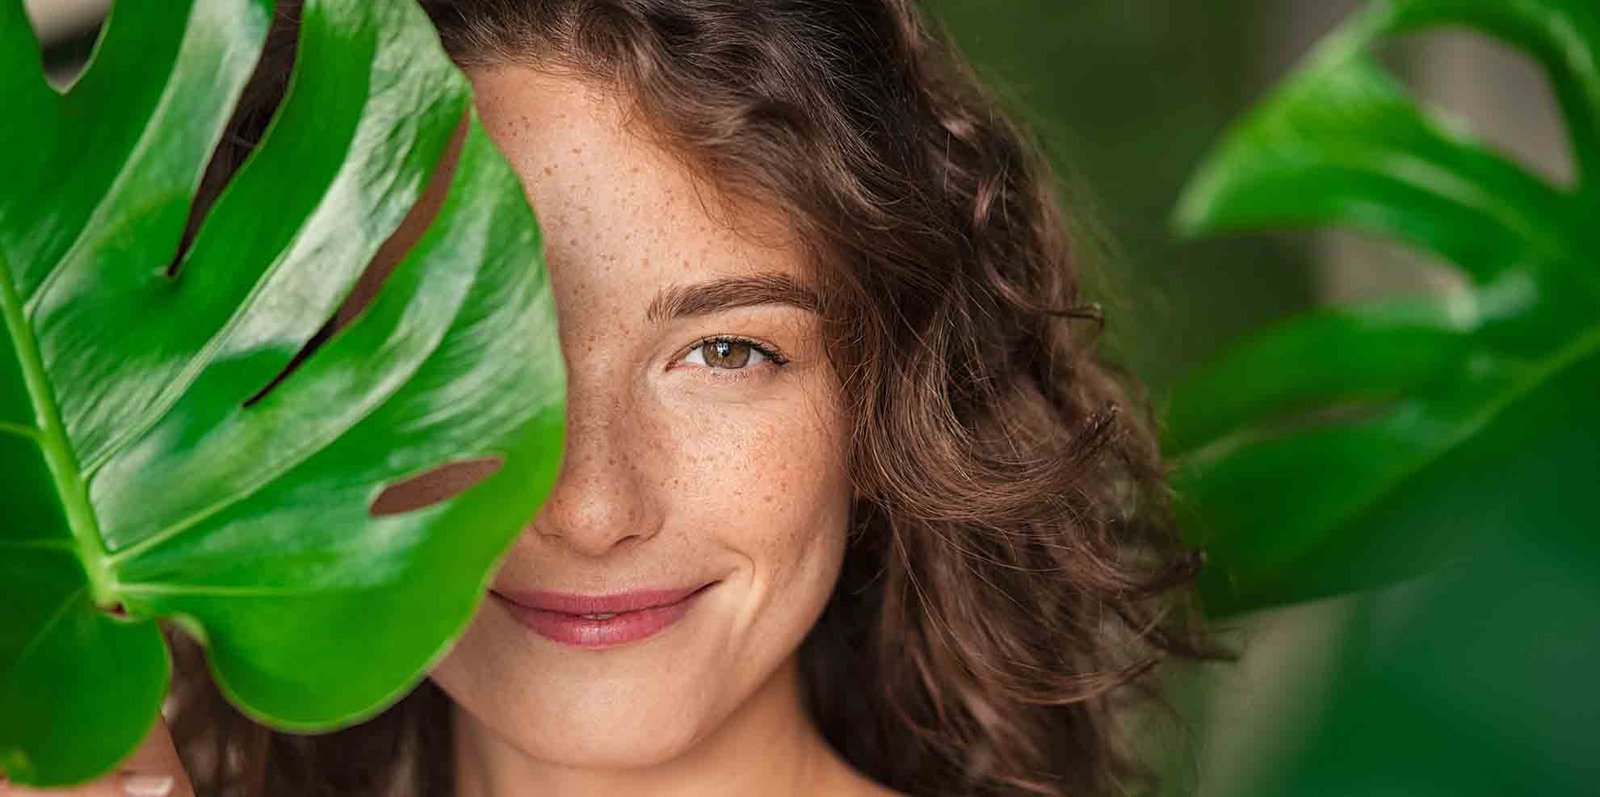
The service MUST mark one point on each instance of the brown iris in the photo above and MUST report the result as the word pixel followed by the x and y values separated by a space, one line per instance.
pixel 727 354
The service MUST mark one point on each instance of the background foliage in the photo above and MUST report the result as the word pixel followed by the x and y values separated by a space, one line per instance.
pixel 1470 680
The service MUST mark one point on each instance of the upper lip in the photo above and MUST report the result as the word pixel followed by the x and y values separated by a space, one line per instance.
pixel 615 603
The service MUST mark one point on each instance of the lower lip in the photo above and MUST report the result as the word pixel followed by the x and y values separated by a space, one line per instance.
pixel 584 632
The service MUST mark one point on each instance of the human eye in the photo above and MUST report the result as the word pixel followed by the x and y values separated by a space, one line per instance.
pixel 728 353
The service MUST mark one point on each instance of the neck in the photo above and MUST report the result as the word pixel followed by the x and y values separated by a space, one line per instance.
pixel 769 745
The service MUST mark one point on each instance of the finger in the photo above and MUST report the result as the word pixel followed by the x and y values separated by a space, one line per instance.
pixel 154 770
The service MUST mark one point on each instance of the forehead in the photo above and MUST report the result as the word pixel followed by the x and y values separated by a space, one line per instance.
pixel 621 215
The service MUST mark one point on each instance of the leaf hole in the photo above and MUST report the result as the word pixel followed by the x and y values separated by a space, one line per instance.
pixel 68 33
pixel 1500 94
pixel 376 272
pixel 252 115
pixel 1293 421
pixel 1352 268
pixel 433 486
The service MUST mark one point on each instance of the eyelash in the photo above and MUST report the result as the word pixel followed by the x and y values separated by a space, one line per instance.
pixel 774 357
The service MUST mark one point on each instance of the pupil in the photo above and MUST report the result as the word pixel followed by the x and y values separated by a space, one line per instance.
pixel 727 354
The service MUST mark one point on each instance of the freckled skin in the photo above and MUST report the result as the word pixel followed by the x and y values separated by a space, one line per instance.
pixel 675 474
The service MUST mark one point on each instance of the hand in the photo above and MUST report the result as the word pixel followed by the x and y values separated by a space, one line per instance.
pixel 152 771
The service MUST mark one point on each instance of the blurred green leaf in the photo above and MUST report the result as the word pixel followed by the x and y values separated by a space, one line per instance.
pixel 1350 448
pixel 1341 143
pixel 1478 680
pixel 1364 356
pixel 154 458
pixel 1443 449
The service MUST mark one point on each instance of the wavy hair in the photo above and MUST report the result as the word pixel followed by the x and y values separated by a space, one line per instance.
pixel 1012 573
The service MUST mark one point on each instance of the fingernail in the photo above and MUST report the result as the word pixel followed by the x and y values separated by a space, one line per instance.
pixel 147 785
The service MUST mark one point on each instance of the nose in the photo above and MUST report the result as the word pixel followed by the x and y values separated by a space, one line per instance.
pixel 600 499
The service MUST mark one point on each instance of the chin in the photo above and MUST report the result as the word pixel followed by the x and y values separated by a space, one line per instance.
pixel 622 708
pixel 628 743
pixel 620 722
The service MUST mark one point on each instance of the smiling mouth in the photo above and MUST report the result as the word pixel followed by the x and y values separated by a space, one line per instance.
pixel 599 621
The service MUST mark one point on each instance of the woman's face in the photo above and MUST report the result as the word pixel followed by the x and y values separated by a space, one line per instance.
pixel 695 461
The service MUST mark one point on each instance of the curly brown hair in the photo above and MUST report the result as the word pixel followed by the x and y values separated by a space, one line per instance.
pixel 1012 568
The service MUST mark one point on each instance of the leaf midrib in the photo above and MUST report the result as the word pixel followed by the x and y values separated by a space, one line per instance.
pixel 54 445
pixel 1540 373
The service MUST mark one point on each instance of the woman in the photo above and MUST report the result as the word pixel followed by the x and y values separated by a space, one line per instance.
pixel 850 505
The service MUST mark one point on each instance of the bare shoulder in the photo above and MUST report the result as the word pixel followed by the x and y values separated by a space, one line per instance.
pixel 856 784
pixel 844 780
pixel 875 789
pixel 863 786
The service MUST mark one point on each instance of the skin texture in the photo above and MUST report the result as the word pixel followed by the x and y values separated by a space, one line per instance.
pixel 676 473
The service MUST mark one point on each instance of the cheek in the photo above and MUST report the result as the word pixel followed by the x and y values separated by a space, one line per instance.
pixel 766 467
pixel 767 480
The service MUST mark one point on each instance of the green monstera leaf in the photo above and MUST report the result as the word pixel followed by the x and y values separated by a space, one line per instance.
pixel 179 443
pixel 1355 446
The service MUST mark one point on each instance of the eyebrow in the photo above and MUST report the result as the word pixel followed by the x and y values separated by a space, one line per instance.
pixel 678 301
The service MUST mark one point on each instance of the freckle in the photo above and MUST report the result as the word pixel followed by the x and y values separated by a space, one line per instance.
pixel 549 170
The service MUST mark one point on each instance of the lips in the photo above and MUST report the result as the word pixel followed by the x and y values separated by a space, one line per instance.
pixel 599 621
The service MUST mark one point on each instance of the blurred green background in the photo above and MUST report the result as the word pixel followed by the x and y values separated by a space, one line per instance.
pixel 1128 97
